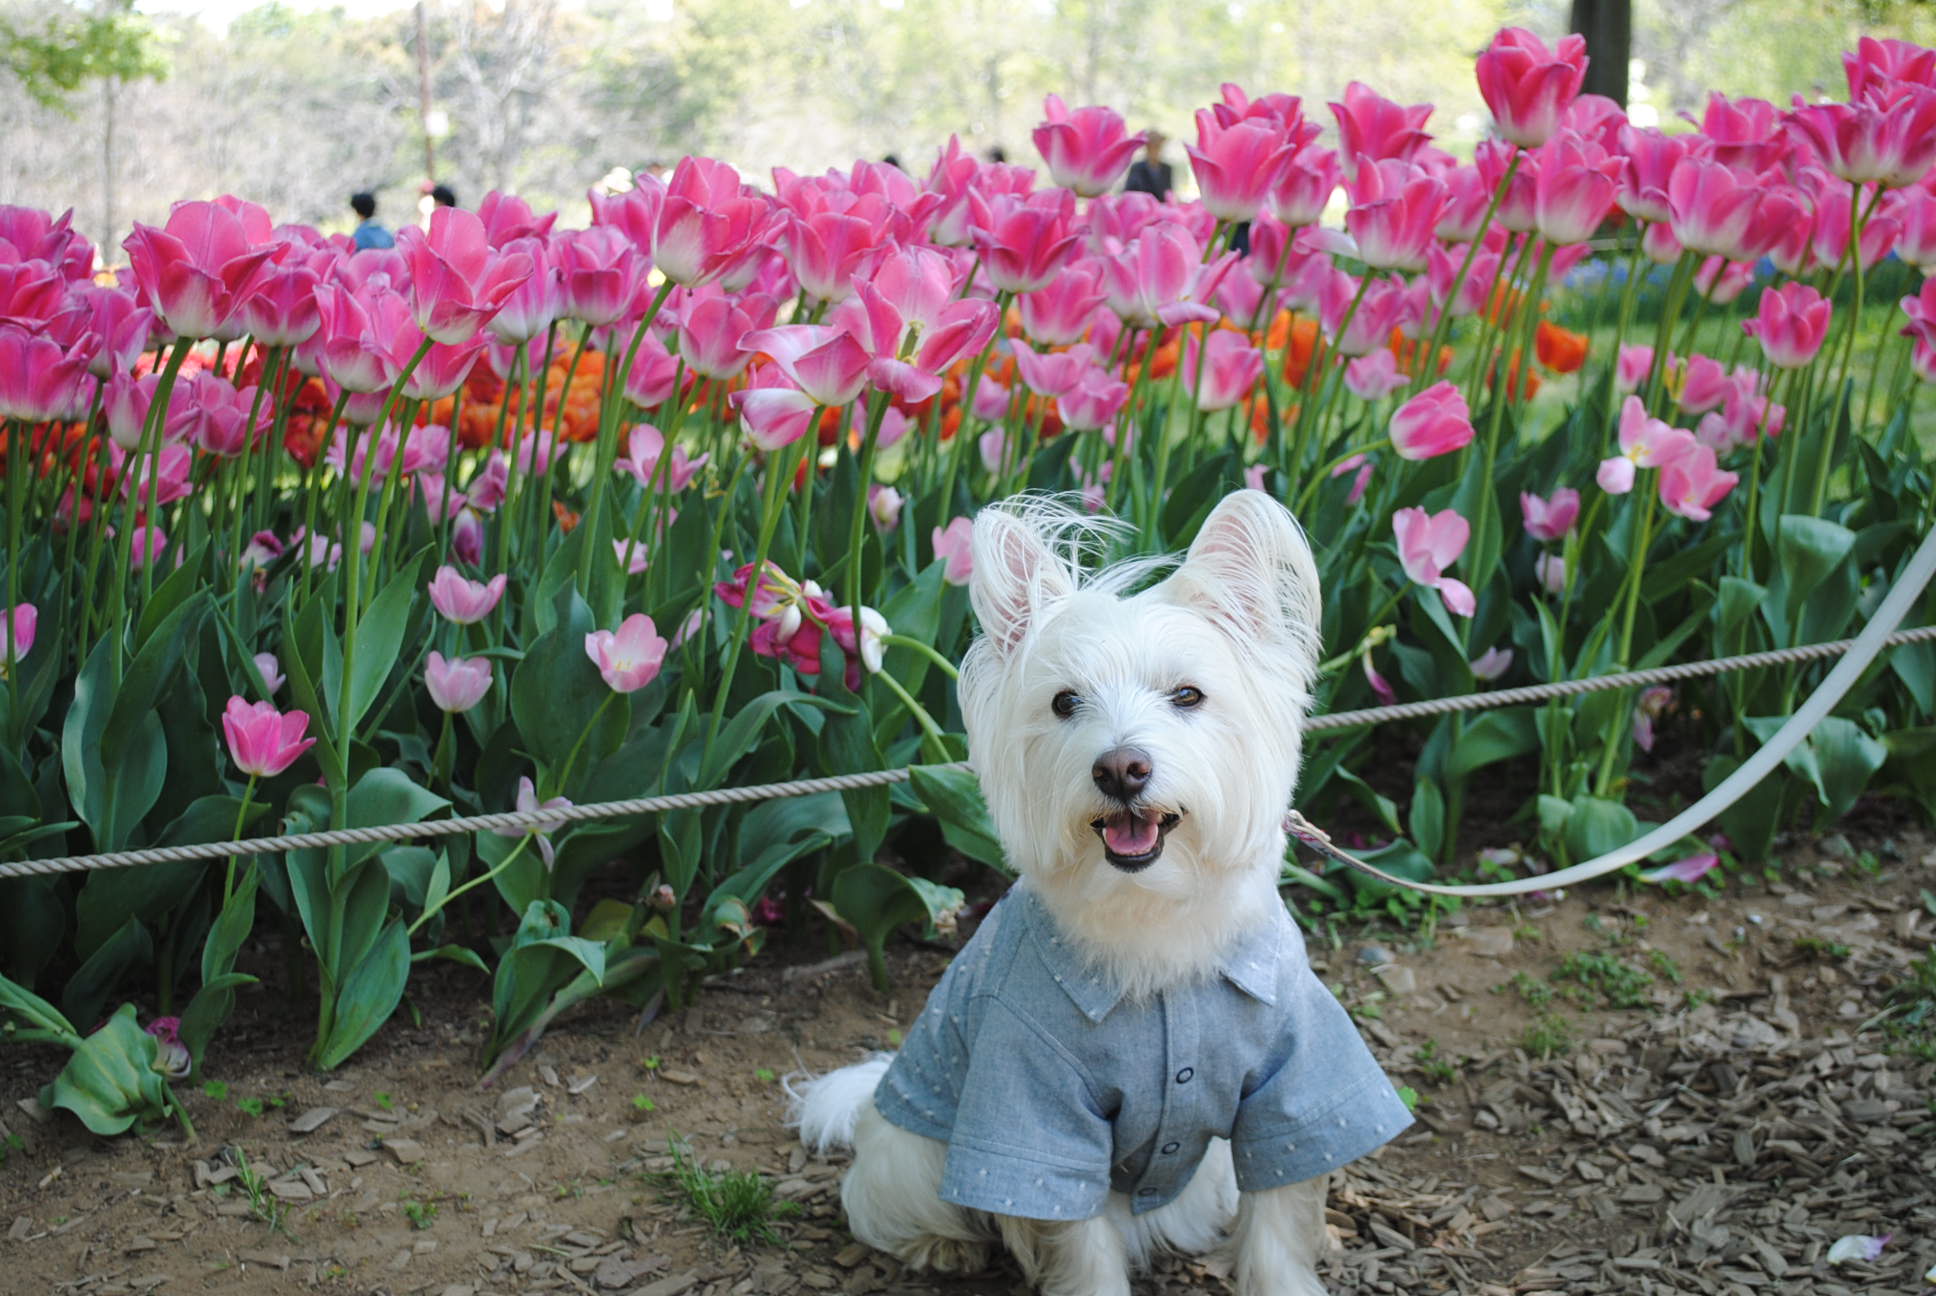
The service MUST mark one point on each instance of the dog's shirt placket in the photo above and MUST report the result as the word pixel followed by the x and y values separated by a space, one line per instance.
pixel 1050 1090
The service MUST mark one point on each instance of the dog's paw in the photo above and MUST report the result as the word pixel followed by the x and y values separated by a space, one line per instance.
pixel 946 1256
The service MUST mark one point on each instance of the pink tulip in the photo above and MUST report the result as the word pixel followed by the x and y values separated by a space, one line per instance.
pixel 172 1057
pixel 457 281
pixel 1160 278
pixel 1549 569
pixel 1228 371
pixel 1635 363
pixel 1704 384
pixel 884 506
pixel 1475 293
pixel 1791 324
pixel 1875 64
pixel 1052 373
pixel 39 380
pixel 655 375
pixel 711 325
pixel 1024 242
pixel 1428 543
pixel 1432 423
pixel 632 556
pixel 1382 309
pixel 462 601
pixel 1691 483
pixel 828 364
pixel 1829 238
pixel 526 803
pixel 1722 281
pixel 1888 136
pixel 217 415
pixel 1914 212
pixel 536 303
pixel 1712 207
pixel 1647 160
pixel 458 684
pixel 827 248
pixel 1645 442
pixel 1238 164
pixel 1689 870
pixel 282 311
pixel 954 546
pixel 1573 190
pixel 644 446
pixel 707 222
pixel 1528 86
pixel 602 272
pixel 1096 400
pixel 1087 150
pixel 508 218
pixel 772 411
pixel 169 472
pixel 1380 686
pixel 1491 664
pixel 263 742
pixel 1549 519
pixel 1375 375
pixel 1744 133
pixel 198 269
pixel 1394 214
pixel 270 669
pixel 32 293
pixel 902 317
pixel 21 621
pixel 366 337
pixel 28 234
pixel 628 658
pixel 1371 127
pixel 1060 312
pixel 122 324
pixel 1303 190
pixel 1649 707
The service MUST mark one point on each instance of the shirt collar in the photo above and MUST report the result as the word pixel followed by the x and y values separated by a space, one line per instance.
pixel 1250 963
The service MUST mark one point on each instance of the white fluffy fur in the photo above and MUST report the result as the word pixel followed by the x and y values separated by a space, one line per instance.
pixel 1236 619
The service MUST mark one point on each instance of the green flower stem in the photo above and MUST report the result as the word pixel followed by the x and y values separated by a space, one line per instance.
pixel 477 881
pixel 16 432
pixel 571 758
pixel 1508 384
pixel 931 736
pixel 1856 220
pixel 857 524
pixel 149 453
pixel 303 565
pixel 1670 313
pixel 926 650
pixel 743 627
pixel 380 546
pixel 273 359
pixel 241 817
pixel 1637 567
pixel 612 404
pixel 1442 326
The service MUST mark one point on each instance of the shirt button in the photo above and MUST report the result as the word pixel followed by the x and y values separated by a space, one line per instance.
pixel 1183 1076
pixel 1170 1148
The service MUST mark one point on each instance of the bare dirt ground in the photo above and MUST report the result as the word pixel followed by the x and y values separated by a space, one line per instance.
pixel 1716 1135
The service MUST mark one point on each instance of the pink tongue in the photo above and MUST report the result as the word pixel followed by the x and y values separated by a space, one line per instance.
pixel 1128 834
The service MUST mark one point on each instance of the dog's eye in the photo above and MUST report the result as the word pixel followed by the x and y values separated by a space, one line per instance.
pixel 1186 697
pixel 1065 703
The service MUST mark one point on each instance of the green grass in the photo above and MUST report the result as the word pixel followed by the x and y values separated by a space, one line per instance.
pixel 1911 1021
pixel 1588 979
pixel 1549 1037
pixel 738 1205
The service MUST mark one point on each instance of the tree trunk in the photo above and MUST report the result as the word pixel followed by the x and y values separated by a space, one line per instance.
pixel 1608 28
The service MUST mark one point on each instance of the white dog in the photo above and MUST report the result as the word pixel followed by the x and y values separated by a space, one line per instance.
pixel 1132 1054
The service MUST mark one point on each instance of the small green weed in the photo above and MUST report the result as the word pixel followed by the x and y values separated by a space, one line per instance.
pixel 1530 988
pixel 1603 977
pixel 1437 1070
pixel 1911 1011
pixel 12 1144
pixel 384 1100
pixel 421 1214
pixel 764 1075
pixel 1815 947
pixel 217 1090
pixel 1409 1096
pixel 641 1103
pixel 738 1204
pixel 1665 967
pixel 263 1204
pixel 1548 1037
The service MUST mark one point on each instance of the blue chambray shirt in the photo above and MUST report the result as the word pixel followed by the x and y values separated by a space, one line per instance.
pixel 1050 1092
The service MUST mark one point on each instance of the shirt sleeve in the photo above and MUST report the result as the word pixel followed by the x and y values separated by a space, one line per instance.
pixel 1327 1101
pixel 1029 1138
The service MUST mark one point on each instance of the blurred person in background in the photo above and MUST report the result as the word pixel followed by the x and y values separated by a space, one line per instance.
pixel 369 233
pixel 1150 174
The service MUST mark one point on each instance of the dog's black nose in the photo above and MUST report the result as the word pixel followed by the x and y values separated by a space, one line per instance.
pixel 1122 772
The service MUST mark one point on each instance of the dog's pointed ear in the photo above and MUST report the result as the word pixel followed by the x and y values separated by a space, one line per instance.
pixel 1019 570
pixel 1250 570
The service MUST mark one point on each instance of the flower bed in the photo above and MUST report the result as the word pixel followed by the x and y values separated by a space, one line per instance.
pixel 513 516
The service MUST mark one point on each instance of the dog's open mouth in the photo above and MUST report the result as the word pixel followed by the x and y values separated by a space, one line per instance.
pixel 1133 839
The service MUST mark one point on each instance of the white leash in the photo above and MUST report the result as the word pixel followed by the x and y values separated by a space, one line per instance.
pixel 1894 607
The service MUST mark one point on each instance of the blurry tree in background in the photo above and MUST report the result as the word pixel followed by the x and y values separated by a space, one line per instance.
pixel 296 106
